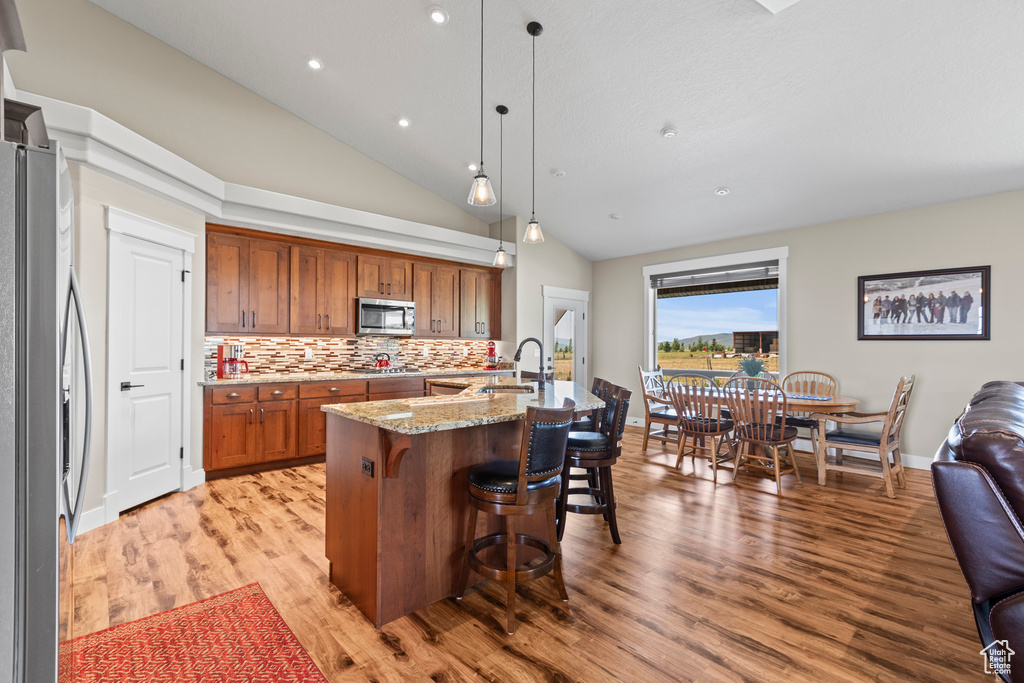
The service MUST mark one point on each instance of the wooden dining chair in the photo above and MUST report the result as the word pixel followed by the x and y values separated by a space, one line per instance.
pixel 697 404
pixel 762 439
pixel 808 383
pixel 883 444
pixel 658 409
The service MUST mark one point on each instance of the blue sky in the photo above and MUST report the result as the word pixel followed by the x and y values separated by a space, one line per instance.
pixel 689 316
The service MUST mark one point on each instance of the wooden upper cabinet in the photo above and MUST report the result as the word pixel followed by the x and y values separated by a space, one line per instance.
pixel 480 304
pixel 323 291
pixel 385 278
pixel 436 293
pixel 269 265
pixel 227 282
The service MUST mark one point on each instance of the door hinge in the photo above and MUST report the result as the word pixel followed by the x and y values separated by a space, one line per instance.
pixel 183 274
pixel 181 453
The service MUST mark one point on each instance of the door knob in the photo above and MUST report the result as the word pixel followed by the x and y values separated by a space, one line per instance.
pixel 126 386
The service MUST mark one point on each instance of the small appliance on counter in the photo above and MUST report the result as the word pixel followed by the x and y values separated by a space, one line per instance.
pixel 492 357
pixel 382 360
pixel 229 361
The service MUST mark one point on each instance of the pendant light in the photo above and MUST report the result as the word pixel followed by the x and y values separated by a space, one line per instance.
pixel 481 193
pixel 501 256
pixel 533 233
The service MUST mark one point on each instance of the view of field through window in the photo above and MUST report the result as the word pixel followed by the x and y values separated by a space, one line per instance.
pixel 716 331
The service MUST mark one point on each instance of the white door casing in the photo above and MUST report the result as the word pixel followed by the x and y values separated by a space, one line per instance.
pixel 147 333
pixel 575 300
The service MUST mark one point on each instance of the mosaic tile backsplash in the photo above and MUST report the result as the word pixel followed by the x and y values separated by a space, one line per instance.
pixel 288 354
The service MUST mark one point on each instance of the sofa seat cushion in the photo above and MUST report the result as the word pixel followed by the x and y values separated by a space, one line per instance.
pixel 502 476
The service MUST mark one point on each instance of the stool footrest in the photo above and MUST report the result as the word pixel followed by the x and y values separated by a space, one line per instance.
pixel 535 568
pixel 595 507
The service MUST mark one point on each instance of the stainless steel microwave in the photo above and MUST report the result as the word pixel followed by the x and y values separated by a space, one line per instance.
pixel 383 316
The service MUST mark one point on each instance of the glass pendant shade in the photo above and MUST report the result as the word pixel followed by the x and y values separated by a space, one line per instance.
pixel 533 235
pixel 481 194
pixel 501 258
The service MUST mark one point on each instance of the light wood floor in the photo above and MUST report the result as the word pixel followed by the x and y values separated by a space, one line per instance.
pixel 834 583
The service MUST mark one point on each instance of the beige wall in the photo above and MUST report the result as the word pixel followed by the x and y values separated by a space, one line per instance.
pixel 824 263
pixel 82 54
pixel 93 193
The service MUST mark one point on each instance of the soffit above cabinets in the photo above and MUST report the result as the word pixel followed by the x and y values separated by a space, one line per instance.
pixel 824 111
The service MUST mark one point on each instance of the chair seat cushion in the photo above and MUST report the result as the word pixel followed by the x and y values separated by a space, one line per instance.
pixel 705 425
pixel 667 414
pixel 585 424
pixel 859 437
pixel 502 476
pixel 765 433
pixel 594 442
pixel 801 422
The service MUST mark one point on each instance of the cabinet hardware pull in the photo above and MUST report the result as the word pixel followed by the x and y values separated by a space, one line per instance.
pixel 382 288
pixel 243 318
pixel 319 321
pixel 334 389
pixel 328 321
pixel 261 415
pixel 250 415
pixel 277 392
pixel 389 289
pixel 254 320
pixel 234 395
pixel 432 325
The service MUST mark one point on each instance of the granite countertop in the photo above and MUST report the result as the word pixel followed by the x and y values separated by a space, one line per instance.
pixel 295 377
pixel 465 409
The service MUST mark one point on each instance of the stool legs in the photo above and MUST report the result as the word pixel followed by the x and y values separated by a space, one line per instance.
pixel 460 589
pixel 601 488
pixel 552 517
pixel 609 500
pixel 510 577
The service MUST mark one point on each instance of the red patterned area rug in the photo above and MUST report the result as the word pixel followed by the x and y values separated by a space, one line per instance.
pixel 235 636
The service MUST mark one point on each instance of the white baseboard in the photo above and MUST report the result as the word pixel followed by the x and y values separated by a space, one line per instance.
pixel 92 519
pixel 191 478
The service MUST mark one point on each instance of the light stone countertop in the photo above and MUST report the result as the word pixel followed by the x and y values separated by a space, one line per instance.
pixel 465 409
pixel 295 377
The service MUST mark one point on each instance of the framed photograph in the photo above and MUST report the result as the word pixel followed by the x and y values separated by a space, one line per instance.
pixel 927 304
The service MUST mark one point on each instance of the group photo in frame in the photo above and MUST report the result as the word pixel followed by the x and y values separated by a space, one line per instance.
pixel 951 303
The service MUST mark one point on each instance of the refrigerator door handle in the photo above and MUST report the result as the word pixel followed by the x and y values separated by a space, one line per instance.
pixel 75 296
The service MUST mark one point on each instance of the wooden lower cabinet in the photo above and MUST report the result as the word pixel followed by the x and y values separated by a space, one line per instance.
pixel 231 436
pixel 276 436
pixel 313 423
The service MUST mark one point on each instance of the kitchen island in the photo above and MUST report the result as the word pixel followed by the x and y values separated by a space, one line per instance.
pixel 397 486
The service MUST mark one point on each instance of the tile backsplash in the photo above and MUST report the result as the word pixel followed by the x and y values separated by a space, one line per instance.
pixel 288 354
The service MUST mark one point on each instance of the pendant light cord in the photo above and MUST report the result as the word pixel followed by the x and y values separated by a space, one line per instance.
pixel 533 167
pixel 501 180
pixel 481 86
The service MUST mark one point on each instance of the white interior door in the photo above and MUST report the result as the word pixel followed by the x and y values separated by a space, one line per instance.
pixel 565 332
pixel 145 346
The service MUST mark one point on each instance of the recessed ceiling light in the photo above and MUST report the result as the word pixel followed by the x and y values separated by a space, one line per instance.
pixel 403 122
pixel 438 15
pixel 615 216
pixel 473 167
pixel 669 132
pixel 721 191
pixel 315 64
pixel 558 173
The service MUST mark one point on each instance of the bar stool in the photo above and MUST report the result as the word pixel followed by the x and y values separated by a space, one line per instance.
pixel 512 488
pixel 596 452
pixel 589 422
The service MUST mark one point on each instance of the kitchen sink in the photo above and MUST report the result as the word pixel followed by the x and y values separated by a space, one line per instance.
pixel 494 389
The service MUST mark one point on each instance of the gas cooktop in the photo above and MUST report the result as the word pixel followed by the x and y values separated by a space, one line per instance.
pixel 386 371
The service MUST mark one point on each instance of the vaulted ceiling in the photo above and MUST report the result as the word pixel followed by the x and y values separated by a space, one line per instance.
pixel 821 111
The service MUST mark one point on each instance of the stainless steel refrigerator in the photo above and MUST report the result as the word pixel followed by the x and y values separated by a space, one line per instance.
pixel 45 413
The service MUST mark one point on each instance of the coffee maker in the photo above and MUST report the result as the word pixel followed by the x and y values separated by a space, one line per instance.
pixel 229 361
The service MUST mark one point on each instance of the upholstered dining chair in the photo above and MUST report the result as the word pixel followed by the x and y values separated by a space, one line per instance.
pixel 658 409
pixel 883 444
pixel 762 439
pixel 698 404
pixel 808 383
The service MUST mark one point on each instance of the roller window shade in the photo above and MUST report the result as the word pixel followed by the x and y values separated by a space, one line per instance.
pixel 740 278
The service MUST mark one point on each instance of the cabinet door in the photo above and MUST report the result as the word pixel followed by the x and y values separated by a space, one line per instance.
pixel 445 301
pixel 372 277
pixel 276 439
pixel 232 435
pixel 307 291
pixel 423 296
pixel 268 286
pixel 470 287
pixel 488 305
pixel 227 283
pixel 339 293
pixel 399 280
pixel 313 423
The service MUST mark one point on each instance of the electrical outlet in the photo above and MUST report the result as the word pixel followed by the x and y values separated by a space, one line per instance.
pixel 367 467
pixel 536 353
pixel 465 352
pixel 309 353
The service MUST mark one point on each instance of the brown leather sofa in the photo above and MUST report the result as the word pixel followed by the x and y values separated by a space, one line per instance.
pixel 978 474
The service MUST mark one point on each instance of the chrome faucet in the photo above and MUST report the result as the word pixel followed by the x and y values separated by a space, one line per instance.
pixel 544 375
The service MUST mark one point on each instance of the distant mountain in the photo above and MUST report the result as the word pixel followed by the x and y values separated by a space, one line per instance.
pixel 723 338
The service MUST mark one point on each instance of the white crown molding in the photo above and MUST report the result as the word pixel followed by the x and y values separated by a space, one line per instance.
pixel 96 141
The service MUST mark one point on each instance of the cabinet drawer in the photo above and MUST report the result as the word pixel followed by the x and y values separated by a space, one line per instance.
pixel 332 389
pixel 393 395
pixel 279 392
pixel 396 384
pixel 235 394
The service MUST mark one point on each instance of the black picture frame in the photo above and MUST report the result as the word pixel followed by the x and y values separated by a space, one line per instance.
pixel 895 293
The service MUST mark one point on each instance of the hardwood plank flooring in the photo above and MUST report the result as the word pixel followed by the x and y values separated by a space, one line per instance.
pixel 726 583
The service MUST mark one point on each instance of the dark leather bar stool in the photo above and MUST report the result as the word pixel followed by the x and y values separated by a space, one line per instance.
pixel 512 488
pixel 589 423
pixel 595 452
